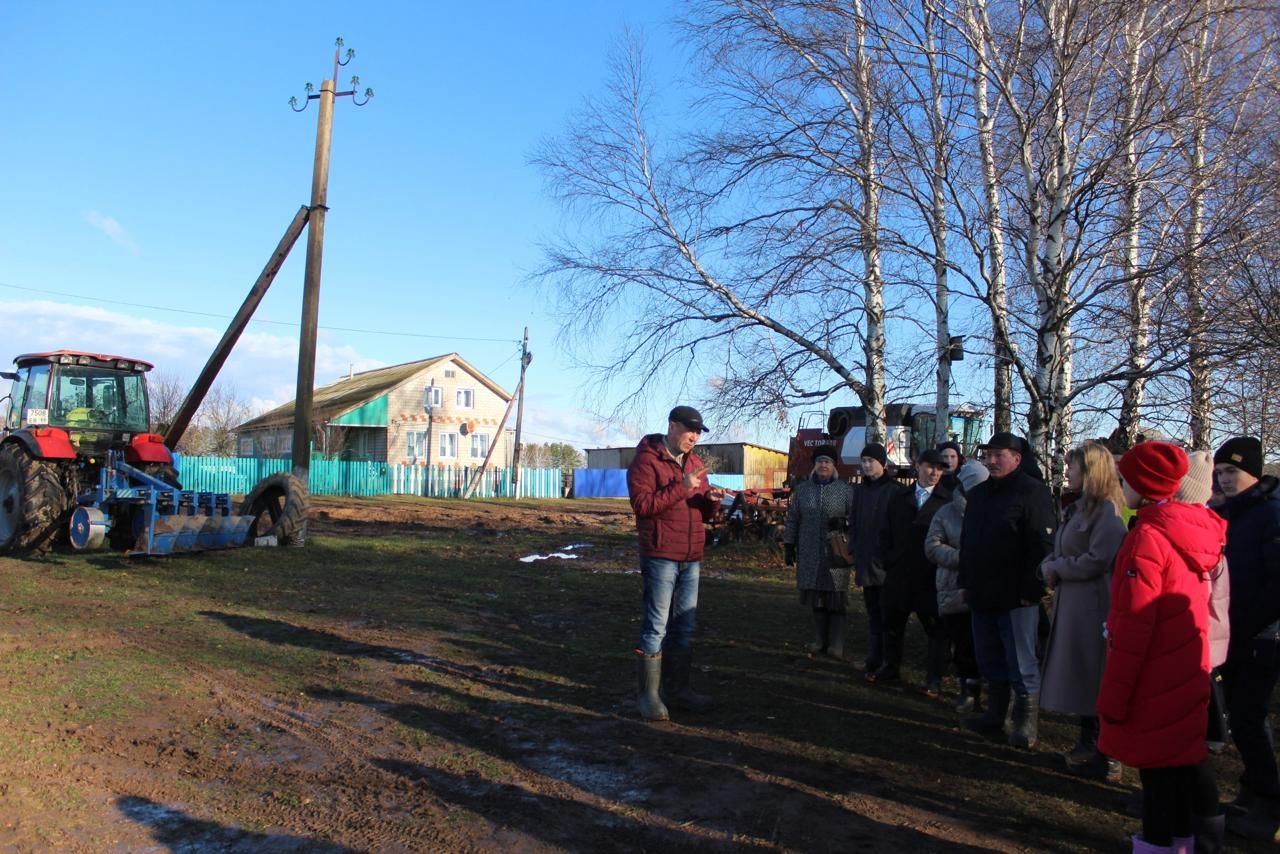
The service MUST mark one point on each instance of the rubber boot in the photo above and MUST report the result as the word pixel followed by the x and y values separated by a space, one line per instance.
pixel 677 667
pixel 821 620
pixel 1210 831
pixel 1141 846
pixel 1261 823
pixel 1086 748
pixel 835 634
pixel 1026 721
pixel 970 696
pixel 992 720
pixel 649 675
pixel 935 663
pixel 890 669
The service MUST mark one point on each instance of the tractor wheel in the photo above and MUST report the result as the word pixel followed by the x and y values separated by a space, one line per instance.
pixel 278 505
pixel 162 471
pixel 33 502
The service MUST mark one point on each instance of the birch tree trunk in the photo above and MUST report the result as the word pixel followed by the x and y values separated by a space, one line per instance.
pixel 1139 319
pixel 978 33
pixel 869 228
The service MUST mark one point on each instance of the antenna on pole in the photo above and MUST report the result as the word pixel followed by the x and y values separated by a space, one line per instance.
pixel 315 252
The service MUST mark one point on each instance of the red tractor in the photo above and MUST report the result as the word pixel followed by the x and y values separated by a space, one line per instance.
pixel 79 463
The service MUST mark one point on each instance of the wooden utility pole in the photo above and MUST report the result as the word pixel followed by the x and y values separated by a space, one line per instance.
pixel 525 358
pixel 315 254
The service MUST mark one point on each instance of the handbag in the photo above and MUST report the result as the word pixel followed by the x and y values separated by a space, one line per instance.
pixel 838 550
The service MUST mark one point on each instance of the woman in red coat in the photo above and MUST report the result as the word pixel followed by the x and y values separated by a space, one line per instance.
pixel 1154 699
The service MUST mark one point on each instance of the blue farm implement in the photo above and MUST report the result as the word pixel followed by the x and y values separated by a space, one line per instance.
pixel 153 516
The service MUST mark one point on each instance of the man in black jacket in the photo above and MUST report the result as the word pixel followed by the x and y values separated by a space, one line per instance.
pixel 1252 511
pixel 909 585
pixel 1008 529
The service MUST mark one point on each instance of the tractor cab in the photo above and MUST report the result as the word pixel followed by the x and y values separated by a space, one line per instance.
pixel 99 401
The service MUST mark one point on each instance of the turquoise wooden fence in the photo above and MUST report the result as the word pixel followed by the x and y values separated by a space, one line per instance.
pixel 237 475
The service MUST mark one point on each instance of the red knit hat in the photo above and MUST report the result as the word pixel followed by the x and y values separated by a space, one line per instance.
pixel 1154 469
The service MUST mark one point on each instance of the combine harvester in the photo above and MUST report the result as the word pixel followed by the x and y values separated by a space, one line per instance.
pixel 79 464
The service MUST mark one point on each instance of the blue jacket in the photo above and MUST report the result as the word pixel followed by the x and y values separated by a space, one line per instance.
pixel 1253 560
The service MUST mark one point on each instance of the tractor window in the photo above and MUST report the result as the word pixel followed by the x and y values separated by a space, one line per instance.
pixel 13 414
pixel 37 389
pixel 93 398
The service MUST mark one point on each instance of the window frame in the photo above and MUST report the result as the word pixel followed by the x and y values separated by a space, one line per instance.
pixel 470 392
pixel 487 444
pixel 452 437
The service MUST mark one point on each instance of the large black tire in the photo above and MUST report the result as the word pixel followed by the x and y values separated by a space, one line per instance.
pixel 278 505
pixel 34 504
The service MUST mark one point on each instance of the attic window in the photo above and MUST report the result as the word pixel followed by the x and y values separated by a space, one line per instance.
pixel 450 373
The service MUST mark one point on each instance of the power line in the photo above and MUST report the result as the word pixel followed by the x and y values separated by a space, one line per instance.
pixel 255 320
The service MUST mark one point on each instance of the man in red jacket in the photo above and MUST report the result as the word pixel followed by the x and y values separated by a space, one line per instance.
pixel 671 498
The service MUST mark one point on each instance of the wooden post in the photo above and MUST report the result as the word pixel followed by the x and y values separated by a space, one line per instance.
pixel 475 481
pixel 525 358
pixel 237 326
pixel 311 288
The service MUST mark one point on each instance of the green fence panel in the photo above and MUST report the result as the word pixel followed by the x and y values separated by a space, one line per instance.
pixel 365 478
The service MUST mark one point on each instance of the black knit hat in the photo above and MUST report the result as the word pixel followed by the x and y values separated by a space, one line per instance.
pixel 827 451
pixel 954 446
pixel 1243 452
pixel 877 452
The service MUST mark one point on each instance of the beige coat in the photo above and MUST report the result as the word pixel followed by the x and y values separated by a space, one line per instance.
pixel 1083 551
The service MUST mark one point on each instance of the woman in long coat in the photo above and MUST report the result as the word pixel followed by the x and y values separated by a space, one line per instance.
pixel 1079 573
pixel 818 506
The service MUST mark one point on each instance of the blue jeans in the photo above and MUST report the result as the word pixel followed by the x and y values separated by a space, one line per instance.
pixel 1005 644
pixel 670 603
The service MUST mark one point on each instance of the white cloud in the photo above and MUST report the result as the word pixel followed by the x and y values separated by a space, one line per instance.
pixel 114 231
pixel 262 367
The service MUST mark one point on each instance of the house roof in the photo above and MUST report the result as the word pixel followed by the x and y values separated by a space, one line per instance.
pixel 355 391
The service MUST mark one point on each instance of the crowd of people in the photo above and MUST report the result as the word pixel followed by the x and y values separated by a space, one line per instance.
pixel 1143 602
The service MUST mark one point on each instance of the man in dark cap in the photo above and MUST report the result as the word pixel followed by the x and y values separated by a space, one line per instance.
pixel 667 484
pixel 1251 506
pixel 909 586
pixel 1007 531
pixel 870 502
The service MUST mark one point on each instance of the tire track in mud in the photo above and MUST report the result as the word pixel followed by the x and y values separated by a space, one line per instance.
pixel 365 819
pixel 538 777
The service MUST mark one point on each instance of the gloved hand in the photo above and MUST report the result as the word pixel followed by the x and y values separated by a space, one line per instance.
pixel 789 554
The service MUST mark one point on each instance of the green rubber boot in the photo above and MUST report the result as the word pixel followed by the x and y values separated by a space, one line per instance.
pixel 676 670
pixel 649 675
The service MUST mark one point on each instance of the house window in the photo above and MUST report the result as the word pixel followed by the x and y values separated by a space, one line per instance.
pixel 246 446
pixel 448 445
pixel 434 397
pixel 417 444
pixel 449 373
pixel 466 398
pixel 479 445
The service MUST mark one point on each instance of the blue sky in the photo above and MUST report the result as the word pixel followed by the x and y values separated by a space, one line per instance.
pixel 152 161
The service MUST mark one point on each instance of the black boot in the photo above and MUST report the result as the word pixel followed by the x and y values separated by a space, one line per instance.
pixel 890 670
pixel 1026 721
pixel 821 619
pixel 649 675
pixel 835 635
pixel 677 666
pixel 992 720
pixel 935 664
pixel 1210 831
pixel 970 693
pixel 1086 749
